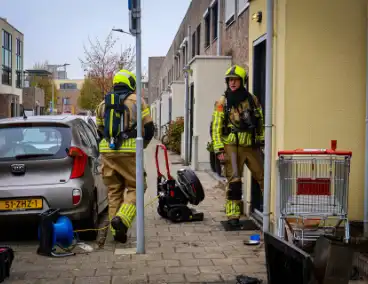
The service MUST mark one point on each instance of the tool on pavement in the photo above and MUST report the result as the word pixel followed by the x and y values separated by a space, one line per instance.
pixel 55 231
pixel 6 260
pixel 174 195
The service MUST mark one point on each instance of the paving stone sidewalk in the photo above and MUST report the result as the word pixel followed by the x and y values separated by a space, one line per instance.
pixel 175 253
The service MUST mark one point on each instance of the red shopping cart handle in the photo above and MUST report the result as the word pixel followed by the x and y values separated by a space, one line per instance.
pixel 159 174
pixel 331 151
pixel 314 152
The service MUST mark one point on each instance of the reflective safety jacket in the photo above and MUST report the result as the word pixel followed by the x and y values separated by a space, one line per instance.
pixel 244 138
pixel 128 145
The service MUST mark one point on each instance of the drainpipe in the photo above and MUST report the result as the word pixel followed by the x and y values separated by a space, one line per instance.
pixel 186 111
pixel 219 31
pixel 366 148
pixel 268 118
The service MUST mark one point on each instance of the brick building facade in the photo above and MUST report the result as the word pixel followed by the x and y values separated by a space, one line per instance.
pixel 154 64
pixel 202 17
pixel 34 100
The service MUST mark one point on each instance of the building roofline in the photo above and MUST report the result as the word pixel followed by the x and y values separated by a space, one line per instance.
pixel 215 57
pixel 37 72
pixel 6 21
pixel 177 32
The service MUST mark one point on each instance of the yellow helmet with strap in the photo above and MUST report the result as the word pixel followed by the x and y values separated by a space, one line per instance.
pixel 236 71
pixel 125 77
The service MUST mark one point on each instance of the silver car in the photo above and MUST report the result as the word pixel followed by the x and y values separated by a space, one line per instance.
pixel 91 121
pixel 50 162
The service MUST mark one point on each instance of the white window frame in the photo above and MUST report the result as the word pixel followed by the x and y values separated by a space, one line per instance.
pixel 231 16
pixel 241 10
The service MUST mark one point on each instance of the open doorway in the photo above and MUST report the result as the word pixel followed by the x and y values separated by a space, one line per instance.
pixel 259 90
pixel 191 119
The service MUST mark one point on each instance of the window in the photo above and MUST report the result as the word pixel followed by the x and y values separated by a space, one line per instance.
pixel 66 101
pixel 83 136
pixel 19 63
pixel 44 142
pixel 178 71
pixel 198 40
pixel 207 29
pixel 7 58
pixel 194 44
pixel 229 11
pixel 91 136
pixel 68 86
pixel 214 11
pixel 184 57
pixel 242 5
pixel 93 127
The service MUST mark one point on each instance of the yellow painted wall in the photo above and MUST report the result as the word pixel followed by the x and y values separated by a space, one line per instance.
pixel 319 80
pixel 325 71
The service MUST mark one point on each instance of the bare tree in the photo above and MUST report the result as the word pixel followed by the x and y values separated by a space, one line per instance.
pixel 101 61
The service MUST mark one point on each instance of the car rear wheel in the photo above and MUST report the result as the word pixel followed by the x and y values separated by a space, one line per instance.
pixel 91 223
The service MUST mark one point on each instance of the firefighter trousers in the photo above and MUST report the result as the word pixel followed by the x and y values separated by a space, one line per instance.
pixel 235 159
pixel 119 176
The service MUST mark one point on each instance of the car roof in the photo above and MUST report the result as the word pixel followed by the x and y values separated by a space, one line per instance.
pixel 65 119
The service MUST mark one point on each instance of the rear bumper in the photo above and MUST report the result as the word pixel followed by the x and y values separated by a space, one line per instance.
pixel 56 196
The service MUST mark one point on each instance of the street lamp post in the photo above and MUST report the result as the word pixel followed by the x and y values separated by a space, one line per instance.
pixel 122 31
pixel 134 7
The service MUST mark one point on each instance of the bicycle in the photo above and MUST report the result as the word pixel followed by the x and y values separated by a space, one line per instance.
pixel 155 131
pixel 165 137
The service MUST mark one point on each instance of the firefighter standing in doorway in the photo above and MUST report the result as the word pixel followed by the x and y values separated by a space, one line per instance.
pixel 237 134
pixel 116 118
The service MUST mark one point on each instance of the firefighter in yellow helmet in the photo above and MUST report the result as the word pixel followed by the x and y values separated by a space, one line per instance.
pixel 237 135
pixel 116 118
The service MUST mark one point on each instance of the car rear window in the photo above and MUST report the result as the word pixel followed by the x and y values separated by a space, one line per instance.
pixel 34 142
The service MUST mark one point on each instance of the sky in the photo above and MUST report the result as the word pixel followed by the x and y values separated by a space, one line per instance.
pixel 57 30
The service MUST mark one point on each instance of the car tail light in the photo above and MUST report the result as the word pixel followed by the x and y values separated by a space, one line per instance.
pixel 79 163
pixel 76 196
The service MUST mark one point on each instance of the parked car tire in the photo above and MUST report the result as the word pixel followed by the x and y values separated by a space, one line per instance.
pixel 90 223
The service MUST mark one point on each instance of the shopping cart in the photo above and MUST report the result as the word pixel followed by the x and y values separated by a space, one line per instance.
pixel 313 187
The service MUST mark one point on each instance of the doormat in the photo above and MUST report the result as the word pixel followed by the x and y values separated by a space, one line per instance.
pixel 244 225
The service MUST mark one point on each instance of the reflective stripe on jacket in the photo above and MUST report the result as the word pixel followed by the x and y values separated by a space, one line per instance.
pixel 128 145
pixel 244 138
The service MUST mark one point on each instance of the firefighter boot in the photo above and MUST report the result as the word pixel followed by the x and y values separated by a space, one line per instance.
pixel 233 212
pixel 234 196
pixel 123 221
pixel 119 230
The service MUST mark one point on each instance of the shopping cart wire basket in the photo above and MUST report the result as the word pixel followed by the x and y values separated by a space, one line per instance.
pixel 313 188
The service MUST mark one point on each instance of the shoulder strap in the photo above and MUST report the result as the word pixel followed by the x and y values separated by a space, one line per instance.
pixel 226 111
pixel 251 101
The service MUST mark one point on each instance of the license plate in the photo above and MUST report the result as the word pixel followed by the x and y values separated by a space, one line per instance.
pixel 20 204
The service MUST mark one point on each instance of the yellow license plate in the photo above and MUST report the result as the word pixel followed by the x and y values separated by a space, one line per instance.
pixel 20 204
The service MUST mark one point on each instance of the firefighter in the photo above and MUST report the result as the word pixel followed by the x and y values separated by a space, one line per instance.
pixel 119 160
pixel 237 134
